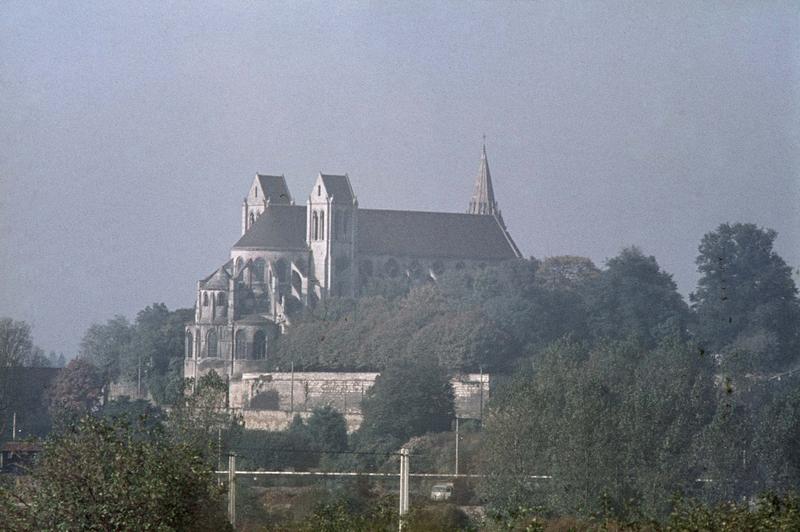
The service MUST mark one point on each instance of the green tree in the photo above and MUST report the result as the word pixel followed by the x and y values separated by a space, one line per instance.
pixel 566 272
pixel 746 295
pixel 634 298
pixel 76 391
pixel 201 418
pixel 326 429
pixel 408 399
pixel 108 346
pixel 97 477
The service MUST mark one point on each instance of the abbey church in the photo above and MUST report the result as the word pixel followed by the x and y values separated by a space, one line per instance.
pixel 292 256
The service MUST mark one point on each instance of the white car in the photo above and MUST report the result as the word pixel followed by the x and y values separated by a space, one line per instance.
pixel 442 492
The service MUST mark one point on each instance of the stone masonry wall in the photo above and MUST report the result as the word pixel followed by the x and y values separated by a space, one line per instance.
pixel 268 401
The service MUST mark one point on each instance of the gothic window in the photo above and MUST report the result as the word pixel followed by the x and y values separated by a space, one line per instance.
pixel 259 266
pixel 259 345
pixel 211 344
pixel 221 299
pixel 238 265
pixel 205 299
pixel 315 233
pixel 189 345
pixel 322 226
pixel 319 190
pixel 281 270
pixel 241 344
pixel 256 191
pixel 297 282
pixel 252 218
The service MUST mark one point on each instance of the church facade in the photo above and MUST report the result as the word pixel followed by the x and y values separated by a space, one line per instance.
pixel 292 256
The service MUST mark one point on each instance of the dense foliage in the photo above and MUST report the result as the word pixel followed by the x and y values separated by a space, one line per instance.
pixel 149 351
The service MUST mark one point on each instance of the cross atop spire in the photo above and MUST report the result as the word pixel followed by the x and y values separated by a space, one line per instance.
pixel 482 201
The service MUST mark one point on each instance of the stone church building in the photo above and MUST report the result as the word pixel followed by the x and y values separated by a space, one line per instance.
pixel 290 256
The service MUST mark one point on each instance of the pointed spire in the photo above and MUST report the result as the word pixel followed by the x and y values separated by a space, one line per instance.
pixel 482 201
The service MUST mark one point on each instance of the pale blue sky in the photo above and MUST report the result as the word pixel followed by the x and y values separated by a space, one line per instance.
pixel 129 132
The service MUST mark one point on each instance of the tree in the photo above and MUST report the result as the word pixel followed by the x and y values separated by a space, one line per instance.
pixel 107 346
pixel 78 390
pixel 97 477
pixel 202 416
pixel 746 291
pixel 634 298
pixel 327 430
pixel 16 343
pixel 566 272
pixel 408 399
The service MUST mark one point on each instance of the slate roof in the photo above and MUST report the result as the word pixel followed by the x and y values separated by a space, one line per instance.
pixel 338 186
pixel 275 188
pixel 433 234
pixel 280 227
pixel 217 280
pixel 385 232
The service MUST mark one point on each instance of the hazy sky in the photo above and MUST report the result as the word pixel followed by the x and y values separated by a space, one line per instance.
pixel 130 131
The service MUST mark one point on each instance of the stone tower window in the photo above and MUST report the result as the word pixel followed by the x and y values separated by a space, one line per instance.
pixel 205 299
pixel 238 265
pixel 189 345
pixel 315 233
pixel 319 190
pixel 221 299
pixel 259 345
pixel 211 344
pixel 322 226
pixel 252 218
pixel 241 344
pixel 259 266
pixel 256 191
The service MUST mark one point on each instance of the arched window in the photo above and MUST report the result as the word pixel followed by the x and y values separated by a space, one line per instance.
pixel 189 345
pixel 221 299
pixel 282 270
pixel 259 345
pixel 259 266
pixel 241 344
pixel 211 344
pixel 205 299
pixel 319 190
pixel 239 263
pixel 315 232
pixel 255 190
pixel 252 218
pixel 322 226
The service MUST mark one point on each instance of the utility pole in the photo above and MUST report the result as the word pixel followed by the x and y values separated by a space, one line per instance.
pixel 456 445
pixel 232 489
pixel 481 390
pixel 291 389
pixel 404 471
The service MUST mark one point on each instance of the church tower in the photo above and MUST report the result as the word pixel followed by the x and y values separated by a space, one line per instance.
pixel 482 201
pixel 331 236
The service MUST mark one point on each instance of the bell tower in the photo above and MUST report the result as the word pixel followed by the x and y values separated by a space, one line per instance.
pixel 331 235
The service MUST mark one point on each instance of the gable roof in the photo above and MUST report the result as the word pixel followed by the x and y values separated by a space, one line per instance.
pixel 433 234
pixel 385 232
pixel 217 280
pixel 338 186
pixel 280 227
pixel 275 189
